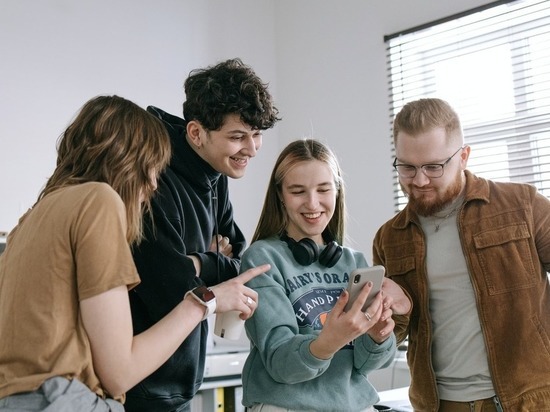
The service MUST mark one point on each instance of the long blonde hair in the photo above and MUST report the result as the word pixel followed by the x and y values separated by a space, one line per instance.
pixel 114 141
pixel 273 219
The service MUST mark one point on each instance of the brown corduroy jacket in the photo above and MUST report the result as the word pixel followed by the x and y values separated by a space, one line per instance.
pixel 504 230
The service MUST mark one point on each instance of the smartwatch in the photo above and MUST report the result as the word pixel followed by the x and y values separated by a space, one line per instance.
pixel 205 296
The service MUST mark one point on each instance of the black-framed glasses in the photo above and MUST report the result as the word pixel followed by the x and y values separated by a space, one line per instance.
pixel 431 170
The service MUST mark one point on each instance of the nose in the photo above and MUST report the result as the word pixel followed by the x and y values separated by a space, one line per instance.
pixel 252 145
pixel 312 200
pixel 420 179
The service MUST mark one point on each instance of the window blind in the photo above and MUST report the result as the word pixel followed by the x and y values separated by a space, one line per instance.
pixel 493 66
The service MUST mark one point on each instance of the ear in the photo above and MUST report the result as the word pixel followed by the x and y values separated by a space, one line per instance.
pixel 464 157
pixel 194 130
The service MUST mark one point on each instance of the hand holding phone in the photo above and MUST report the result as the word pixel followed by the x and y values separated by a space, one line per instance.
pixel 359 278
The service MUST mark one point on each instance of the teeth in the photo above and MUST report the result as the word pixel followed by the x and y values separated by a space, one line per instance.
pixel 312 215
pixel 239 160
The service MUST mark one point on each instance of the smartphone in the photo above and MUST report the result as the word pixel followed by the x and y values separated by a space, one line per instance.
pixel 359 278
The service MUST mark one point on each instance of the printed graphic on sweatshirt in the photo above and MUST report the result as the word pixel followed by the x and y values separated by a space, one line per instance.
pixel 306 279
pixel 312 307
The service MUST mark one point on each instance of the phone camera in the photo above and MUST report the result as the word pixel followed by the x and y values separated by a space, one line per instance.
pixel 356 278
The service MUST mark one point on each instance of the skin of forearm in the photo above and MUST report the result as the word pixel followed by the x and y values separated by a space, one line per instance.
pixel 151 348
pixel 163 338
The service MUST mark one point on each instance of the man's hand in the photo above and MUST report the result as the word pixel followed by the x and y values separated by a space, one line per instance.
pixel 222 245
pixel 400 304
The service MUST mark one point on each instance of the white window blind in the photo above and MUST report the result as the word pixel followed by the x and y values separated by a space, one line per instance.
pixel 493 66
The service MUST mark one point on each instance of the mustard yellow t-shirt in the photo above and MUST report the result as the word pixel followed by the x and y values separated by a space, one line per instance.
pixel 70 246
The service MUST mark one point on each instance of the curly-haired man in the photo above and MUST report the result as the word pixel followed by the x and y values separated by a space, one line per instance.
pixel 194 240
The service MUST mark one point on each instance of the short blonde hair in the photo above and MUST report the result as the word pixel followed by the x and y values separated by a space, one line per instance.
pixel 425 114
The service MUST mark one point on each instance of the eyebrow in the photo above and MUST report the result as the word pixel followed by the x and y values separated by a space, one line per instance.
pixel 320 184
pixel 243 131
pixel 400 162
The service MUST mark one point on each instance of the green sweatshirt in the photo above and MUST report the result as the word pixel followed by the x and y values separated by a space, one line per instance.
pixel 293 303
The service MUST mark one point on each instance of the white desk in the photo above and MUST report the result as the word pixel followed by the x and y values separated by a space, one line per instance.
pixel 398 399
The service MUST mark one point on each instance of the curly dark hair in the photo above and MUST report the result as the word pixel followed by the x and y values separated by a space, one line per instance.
pixel 229 87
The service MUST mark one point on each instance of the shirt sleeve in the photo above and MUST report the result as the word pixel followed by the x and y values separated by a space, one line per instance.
pixel 102 254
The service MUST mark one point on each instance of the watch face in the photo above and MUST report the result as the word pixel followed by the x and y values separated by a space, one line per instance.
pixel 204 293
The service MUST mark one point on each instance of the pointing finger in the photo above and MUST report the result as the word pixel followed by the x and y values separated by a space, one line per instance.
pixel 253 272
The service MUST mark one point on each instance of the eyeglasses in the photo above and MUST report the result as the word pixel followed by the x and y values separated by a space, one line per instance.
pixel 431 170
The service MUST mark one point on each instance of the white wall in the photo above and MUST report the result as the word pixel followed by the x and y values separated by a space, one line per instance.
pixel 324 60
pixel 57 54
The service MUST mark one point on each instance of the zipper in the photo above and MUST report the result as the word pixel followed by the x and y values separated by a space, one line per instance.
pixel 498 405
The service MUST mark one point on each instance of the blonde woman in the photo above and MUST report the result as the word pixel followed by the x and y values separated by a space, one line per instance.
pixel 307 352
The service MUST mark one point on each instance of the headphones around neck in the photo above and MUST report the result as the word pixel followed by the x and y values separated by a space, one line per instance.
pixel 306 251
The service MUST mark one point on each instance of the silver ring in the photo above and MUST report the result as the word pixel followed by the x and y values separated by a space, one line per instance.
pixel 369 317
pixel 249 301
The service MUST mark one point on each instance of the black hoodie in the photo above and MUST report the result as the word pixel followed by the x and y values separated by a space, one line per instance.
pixel 184 214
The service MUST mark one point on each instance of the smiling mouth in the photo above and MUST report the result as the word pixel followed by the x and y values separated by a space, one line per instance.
pixel 312 215
pixel 240 160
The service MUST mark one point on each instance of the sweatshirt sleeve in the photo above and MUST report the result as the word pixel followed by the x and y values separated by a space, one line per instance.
pixel 228 266
pixel 180 228
pixel 165 270
pixel 369 356
pixel 273 328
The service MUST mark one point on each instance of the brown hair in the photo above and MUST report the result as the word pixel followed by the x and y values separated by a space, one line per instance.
pixel 426 114
pixel 115 141
pixel 273 219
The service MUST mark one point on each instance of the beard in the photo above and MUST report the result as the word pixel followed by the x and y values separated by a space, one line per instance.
pixel 427 207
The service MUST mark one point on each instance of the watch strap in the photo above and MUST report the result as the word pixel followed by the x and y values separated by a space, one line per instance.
pixel 209 304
